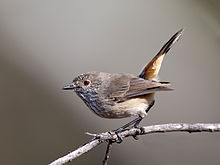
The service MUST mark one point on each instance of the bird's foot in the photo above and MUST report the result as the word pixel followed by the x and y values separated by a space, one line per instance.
pixel 136 135
pixel 133 124
pixel 140 128
pixel 117 132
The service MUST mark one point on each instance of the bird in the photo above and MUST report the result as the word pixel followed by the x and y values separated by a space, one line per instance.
pixel 121 95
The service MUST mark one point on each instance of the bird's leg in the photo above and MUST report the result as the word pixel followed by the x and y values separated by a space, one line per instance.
pixel 134 122
pixel 150 106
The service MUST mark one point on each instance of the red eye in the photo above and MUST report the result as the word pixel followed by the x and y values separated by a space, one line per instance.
pixel 86 82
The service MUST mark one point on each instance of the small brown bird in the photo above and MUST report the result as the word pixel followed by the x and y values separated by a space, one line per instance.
pixel 123 95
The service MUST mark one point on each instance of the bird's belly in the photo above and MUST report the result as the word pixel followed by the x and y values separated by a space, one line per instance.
pixel 131 107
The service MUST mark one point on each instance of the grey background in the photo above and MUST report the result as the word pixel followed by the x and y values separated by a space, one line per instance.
pixel 45 44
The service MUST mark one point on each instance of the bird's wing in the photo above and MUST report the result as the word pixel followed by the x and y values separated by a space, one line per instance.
pixel 140 86
pixel 150 72
pixel 122 87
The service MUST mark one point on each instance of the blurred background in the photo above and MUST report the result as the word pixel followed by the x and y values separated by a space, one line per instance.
pixel 45 44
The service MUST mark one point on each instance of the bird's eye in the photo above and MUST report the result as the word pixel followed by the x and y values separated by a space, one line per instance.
pixel 86 82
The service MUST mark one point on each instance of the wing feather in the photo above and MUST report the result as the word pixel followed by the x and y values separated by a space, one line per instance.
pixel 124 86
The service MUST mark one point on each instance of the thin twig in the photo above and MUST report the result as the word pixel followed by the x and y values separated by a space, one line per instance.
pixel 107 153
pixel 106 136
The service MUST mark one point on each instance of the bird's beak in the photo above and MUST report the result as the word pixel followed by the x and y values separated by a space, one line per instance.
pixel 69 87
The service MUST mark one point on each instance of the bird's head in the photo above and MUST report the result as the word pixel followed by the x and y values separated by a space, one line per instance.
pixel 86 83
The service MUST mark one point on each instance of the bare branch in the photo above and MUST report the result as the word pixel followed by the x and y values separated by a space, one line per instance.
pixel 111 136
pixel 81 150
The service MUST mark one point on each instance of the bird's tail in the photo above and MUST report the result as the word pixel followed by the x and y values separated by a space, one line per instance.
pixel 150 72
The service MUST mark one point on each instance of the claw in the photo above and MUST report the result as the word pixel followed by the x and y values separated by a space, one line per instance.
pixel 119 138
pixel 142 130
